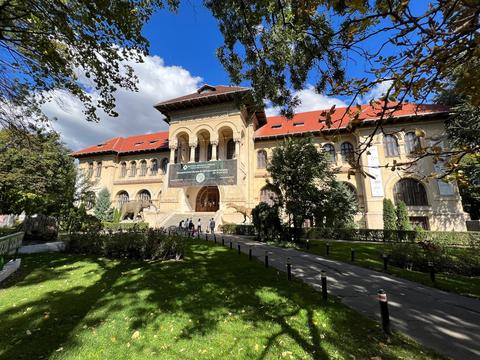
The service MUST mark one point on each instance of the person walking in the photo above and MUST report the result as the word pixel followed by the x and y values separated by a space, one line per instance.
pixel 199 226
pixel 180 225
pixel 212 226
pixel 191 227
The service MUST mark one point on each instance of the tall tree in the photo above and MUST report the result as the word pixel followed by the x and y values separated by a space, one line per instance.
pixel 389 215
pixel 305 182
pixel 64 45
pixel 279 46
pixel 403 222
pixel 37 175
pixel 102 209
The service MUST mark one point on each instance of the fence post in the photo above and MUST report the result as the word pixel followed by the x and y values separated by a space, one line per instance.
pixel 250 253
pixel 382 299
pixel 352 254
pixel 231 246
pixel 289 269
pixel 324 285
pixel 308 244
pixel 385 261
pixel 238 246
pixel 215 239
pixel 266 258
pixel 206 237
pixel 223 241
pixel 328 248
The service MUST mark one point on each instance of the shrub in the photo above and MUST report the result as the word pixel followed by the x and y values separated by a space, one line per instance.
pixel 102 209
pixel 389 216
pixel 266 221
pixel 150 244
pixel 403 223
pixel 240 229
pixel 112 226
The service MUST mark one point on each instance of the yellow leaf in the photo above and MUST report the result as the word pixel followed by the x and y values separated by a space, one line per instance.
pixel 136 335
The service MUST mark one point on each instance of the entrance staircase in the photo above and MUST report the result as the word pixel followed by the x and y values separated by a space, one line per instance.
pixel 175 218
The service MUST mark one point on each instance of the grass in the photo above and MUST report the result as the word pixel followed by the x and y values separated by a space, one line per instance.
pixel 213 305
pixel 369 255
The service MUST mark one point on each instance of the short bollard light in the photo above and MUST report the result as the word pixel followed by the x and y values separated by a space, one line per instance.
pixel 385 261
pixel 198 234
pixel 266 259
pixel 223 241
pixel 432 270
pixel 289 269
pixel 352 251
pixel 231 245
pixel 328 248
pixel 238 248
pixel 215 239
pixel 250 253
pixel 206 237
pixel 323 276
pixel 382 299
pixel 308 244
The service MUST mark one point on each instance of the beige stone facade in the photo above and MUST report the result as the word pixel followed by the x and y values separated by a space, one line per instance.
pixel 226 130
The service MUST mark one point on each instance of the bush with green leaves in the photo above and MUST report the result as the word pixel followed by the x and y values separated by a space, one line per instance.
pixel 403 223
pixel 142 245
pixel 238 229
pixel 114 226
pixel 266 221
pixel 389 215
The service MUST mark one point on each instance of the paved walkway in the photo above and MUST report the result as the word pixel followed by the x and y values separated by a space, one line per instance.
pixel 446 322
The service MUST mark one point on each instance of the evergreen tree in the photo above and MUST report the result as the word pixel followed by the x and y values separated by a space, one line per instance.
pixel 389 215
pixel 403 223
pixel 102 208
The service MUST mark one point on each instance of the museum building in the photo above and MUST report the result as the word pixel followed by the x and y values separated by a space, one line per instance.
pixel 212 161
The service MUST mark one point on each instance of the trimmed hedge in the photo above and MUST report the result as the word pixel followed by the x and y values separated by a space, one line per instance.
pixel 140 226
pixel 377 235
pixel 145 245
pixel 238 229
pixel 4 231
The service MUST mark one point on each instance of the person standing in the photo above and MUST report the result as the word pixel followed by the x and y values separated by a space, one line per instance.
pixel 199 226
pixel 212 226
pixel 191 227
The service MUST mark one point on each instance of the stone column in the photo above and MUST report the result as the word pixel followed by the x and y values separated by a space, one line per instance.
pixel 237 148
pixel 214 149
pixel 192 151
pixel 173 147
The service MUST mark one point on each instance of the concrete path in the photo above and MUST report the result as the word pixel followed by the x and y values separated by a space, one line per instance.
pixel 56 246
pixel 446 322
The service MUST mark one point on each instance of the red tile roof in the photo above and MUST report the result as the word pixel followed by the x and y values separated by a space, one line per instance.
pixel 120 145
pixel 314 121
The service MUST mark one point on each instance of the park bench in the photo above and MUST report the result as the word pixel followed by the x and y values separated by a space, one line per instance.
pixel 10 244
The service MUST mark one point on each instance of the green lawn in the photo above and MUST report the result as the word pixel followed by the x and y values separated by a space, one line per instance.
pixel 369 255
pixel 213 305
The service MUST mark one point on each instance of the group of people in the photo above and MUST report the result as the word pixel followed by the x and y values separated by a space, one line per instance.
pixel 188 226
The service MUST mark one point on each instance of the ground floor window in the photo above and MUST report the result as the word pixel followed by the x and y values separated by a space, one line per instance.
pixel 419 221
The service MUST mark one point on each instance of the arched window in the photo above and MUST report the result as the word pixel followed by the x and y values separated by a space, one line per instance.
pixel 346 149
pixel 411 192
pixel 90 170
pixel 144 195
pixel 143 168
pixel 267 195
pixel 164 165
pixel 122 198
pixel 261 159
pixel 391 146
pixel 412 142
pixel 330 151
pixel 98 173
pixel 133 169
pixel 230 149
pixel 154 168
pixel 123 169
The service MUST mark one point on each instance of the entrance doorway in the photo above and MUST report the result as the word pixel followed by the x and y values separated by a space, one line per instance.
pixel 208 199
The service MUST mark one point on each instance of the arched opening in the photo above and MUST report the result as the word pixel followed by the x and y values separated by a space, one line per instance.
pixel 183 149
pixel 261 159
pixel 208 199
pixel 164 165
pixel 268 195
pixel 143 168
pixel 144 196
pixel 203 151
pixel 121 198
pixel 225 137
pixel 411 192
pixel 330 151
pixel 346 149
pixel 154 167
pixel 391 146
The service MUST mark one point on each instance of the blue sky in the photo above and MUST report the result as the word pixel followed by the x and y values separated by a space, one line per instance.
pixel 182 57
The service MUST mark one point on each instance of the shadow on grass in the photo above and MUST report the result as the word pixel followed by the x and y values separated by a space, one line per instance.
pixel 212 284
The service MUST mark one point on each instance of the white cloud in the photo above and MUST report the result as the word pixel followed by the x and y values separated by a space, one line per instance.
pixel 377 91
pixel 310 100
pixel 157 82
